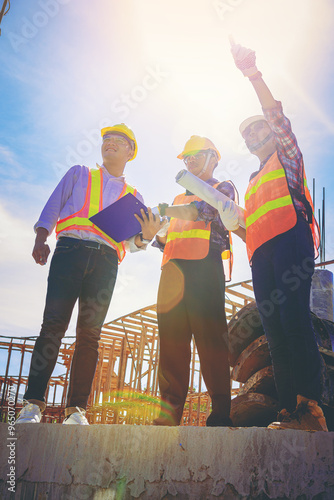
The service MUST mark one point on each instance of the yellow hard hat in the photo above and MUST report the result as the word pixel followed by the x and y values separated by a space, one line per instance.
pixel 196 144
pixel 122 129
pixel 249 121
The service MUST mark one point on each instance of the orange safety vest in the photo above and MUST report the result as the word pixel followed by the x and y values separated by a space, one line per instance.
pixel 190 240
pixel 92 205
pixel 269 208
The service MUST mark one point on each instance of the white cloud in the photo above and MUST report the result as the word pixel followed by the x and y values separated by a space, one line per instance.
pixel 10 166
pixel 22 284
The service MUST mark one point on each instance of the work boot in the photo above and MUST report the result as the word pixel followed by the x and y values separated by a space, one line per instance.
pixel 218 420
pixel 171 411
pixel 30 414
pixel 283 416
pixel 308 416
pixel 219 416
pixel 167 416
pixel 164 419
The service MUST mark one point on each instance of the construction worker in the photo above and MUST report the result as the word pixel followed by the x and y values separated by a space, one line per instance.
pixel 282 238
pixel 191 295
pixel 84 267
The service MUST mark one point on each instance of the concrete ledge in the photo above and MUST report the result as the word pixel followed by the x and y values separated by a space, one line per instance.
pixel 56 462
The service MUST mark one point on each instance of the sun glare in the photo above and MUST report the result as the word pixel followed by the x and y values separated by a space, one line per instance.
pixel 193 46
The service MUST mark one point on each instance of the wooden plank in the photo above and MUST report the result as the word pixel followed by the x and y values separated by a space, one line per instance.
pixel 235 304
pixel 239 283
pixel 115 329
pixel 247 286
pixel 252 359
pixel 237 294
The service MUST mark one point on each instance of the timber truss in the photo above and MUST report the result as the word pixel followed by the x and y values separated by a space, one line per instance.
pixel 125 386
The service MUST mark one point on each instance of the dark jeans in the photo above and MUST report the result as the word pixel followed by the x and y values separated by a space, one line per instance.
pixel 81 270
pixel 191 301
pixel 282 271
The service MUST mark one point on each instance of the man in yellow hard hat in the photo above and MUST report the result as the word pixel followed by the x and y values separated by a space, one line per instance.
pixel 191 296
pixel 84 268
pixel 282 239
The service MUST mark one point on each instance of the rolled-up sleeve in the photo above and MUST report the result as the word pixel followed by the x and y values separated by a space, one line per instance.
pixel 284 137
pixel 206 212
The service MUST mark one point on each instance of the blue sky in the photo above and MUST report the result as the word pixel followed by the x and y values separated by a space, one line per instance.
pixel 70 67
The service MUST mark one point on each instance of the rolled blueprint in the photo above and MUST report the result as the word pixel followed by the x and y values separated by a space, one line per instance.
pixel 206 192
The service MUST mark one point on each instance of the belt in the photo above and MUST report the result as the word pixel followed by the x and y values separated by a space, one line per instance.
pixel 86 243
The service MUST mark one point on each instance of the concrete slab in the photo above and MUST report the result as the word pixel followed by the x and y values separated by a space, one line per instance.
pixel 99 462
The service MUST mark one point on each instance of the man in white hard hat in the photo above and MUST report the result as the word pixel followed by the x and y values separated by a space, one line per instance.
pixel 191 295
pixel 282 240
pixel 84 268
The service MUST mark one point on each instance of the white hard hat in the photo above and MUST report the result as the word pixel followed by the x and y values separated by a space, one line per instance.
pixel 249 121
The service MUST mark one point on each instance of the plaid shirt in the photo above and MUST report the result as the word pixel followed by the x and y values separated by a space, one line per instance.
pixel 219 237
pixel 288 153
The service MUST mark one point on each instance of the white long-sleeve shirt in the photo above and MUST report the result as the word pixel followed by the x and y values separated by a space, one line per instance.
pixel 69 197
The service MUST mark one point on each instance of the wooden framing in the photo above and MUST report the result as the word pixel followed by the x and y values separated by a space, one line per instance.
pixel 125 386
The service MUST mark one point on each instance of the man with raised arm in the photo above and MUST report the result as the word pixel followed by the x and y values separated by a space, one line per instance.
pixel 282 239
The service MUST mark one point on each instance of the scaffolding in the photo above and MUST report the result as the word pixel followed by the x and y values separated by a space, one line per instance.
pixel 125 387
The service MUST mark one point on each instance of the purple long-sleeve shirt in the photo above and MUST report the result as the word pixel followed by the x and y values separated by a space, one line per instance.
pixel 69 196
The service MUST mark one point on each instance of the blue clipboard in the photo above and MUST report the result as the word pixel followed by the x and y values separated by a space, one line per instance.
pixel 118 220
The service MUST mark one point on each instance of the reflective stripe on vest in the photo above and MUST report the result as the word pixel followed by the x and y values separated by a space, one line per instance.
pixel 93 203
pixel 186 239
pixel 227 258
pixel 269 208
pixel 191 233
pixel 190 240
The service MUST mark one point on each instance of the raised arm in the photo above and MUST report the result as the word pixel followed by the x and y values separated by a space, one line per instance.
pixel 245 61
pixel 280 125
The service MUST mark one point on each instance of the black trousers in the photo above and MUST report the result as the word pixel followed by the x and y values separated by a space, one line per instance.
pixel 84 271
pixel 282 271
pixel 191 301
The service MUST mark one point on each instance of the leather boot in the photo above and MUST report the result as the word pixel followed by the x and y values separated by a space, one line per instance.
pixel 308 416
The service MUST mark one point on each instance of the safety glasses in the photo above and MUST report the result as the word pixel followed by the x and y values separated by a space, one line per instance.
pixel 253 127
pixel 197 157
pixel 117 139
